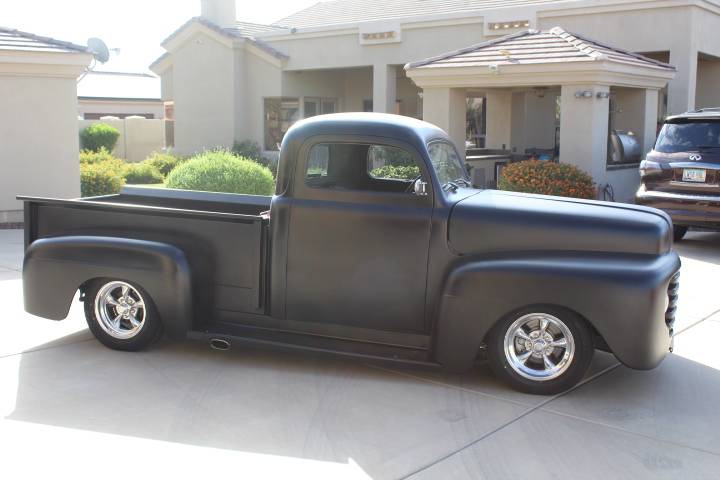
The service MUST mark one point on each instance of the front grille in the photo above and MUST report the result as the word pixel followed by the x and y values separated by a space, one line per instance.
pixel 673 288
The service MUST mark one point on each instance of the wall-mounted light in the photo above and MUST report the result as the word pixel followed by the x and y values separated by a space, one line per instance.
pixel 603 94
pixel 494 68
pixel 584 94
pixel 508 25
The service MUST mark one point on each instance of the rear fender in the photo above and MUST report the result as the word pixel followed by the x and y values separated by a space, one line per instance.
pixel 54 269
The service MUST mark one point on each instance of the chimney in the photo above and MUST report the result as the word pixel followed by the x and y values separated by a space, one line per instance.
pixel 219 12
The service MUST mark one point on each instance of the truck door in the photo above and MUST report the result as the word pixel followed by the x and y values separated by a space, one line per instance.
pixel 359 236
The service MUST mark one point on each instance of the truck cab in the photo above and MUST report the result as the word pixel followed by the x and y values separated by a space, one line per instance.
pixel 374 245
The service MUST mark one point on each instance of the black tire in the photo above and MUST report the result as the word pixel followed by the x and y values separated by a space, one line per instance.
pixel 151 329
pixel 679 232
pixel 573 369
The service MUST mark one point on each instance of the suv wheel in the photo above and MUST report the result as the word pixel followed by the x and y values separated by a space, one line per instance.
pixel 121 315
pixel 542 351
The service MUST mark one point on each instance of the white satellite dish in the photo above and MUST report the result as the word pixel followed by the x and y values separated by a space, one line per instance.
pixel 99 50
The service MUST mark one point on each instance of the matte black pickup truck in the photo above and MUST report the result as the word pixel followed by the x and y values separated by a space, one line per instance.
pixel 425 270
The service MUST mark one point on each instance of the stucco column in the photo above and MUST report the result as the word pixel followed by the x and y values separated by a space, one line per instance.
pixel 499 119
pixel 384 88
pixel 584 129
pixel 445 107
pixel 681 90
pixel 648 134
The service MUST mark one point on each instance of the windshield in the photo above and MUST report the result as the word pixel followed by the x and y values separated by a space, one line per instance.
pixel 688 136
pixel 447 164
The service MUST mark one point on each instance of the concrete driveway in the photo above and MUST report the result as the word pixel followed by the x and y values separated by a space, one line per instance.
pixel 69 406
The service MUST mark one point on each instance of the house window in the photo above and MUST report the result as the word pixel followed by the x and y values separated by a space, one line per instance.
pixel 280 114
pixel 316 106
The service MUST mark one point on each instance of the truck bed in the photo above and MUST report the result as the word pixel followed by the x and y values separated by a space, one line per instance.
pixel 223 236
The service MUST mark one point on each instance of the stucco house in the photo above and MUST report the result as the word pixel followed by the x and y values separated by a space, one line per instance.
pixel 38 119
pixel 596 67
pixel 105 92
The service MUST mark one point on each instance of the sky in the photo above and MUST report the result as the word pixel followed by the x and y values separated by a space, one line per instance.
pixel 136 27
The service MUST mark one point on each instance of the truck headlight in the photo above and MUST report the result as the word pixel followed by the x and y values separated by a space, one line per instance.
pixel 648 167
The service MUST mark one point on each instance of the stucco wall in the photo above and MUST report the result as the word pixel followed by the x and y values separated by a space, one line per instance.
pixel 708 84
pixel 533 120
pixel 124 107
pixel 203 77
pixel 38 139
pixel 139 137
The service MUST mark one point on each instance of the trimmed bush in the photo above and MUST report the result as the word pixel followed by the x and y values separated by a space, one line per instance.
pixel 101 178
pixel 547 178
pixel 97 136
pixel 142 173
pixel 164 162
pixel 102 155
pixel 252 151
pixel 408 172
pixel 222 171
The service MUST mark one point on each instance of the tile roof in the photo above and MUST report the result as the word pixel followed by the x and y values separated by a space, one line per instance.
pixel 11 39
pixel 354 11
pixel 255 28
pixel 116 85
pixel 537 47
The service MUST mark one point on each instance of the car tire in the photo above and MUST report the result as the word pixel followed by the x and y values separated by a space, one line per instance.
pixel 540 350
pixel 679 232
pixel 121 314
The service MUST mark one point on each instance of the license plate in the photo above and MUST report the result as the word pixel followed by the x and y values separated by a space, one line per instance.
pixel 693 175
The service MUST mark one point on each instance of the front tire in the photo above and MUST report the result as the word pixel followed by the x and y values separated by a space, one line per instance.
pixel 679 232
pixel 542 351
pixel 121 315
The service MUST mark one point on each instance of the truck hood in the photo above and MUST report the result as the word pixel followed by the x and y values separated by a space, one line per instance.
pixel 495 221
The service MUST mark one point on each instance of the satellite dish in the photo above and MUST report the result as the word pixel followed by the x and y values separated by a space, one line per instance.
pixel 99 50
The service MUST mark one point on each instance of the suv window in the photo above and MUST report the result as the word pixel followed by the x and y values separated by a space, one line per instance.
pixel 688 135
pixel 356 166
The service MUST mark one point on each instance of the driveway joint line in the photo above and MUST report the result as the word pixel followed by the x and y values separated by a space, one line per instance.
pixel 685 329
pixel 630 432
pixel 40 349
pixel 507 424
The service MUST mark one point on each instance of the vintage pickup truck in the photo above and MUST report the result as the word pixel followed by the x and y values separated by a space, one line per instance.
pixel 424 270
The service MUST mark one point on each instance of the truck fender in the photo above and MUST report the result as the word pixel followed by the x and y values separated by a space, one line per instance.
pixel 622 297
pixel 54 269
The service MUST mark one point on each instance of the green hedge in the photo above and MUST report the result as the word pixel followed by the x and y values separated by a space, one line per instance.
pixel 142 173
pixel 409 172
pixel 222 171
pixel 101 178
pixel 97 136
pixel 102 155
pixel 164 162
pixel 252 151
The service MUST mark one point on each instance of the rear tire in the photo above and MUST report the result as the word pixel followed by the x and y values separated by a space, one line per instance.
pixel 540 350
pixel 679 232
pixel 121 314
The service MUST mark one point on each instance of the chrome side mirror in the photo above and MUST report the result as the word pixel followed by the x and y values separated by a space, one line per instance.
pixel 420 187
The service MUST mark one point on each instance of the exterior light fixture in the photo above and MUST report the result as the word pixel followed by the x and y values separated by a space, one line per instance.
pixel 603 94
pixel 494 68
pixel 584 94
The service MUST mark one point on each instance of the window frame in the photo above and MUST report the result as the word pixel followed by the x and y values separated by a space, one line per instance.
pixel 302 189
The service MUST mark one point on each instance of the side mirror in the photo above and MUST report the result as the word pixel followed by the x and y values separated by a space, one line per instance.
pixel 420 187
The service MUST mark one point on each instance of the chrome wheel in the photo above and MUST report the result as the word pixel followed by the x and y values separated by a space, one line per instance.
pixel 120 310
pixel 539 346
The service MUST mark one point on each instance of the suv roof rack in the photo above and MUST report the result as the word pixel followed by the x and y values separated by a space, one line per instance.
pixel 706 109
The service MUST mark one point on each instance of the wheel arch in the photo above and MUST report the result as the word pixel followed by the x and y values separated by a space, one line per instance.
pixel 54 269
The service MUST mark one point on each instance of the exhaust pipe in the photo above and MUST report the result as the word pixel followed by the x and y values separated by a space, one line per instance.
pixel 219 344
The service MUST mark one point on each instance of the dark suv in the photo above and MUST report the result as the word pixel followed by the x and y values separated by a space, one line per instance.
pixel 681 175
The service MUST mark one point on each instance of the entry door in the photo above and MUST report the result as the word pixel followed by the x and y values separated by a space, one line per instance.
pixel 358 246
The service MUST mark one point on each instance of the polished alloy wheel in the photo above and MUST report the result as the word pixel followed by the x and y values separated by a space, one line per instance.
pixel 539 346
pixel 120 310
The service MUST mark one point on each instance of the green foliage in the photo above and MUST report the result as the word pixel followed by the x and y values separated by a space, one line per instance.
pixel 142 173
pixel 102 178
pixel 97 136
pixel 102 155
pixel 164 162
pixel 408 172
pixel 222 171
pixel 547 178
pixel 252 151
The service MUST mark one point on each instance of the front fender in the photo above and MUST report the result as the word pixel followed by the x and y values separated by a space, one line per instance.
pixel 54 269
pixel 624 297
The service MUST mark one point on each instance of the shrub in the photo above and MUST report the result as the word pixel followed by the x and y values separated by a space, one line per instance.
pixel 97 136
pixel 252 151
pixel 102 155
pixel 222 171
pixel 101 178
pixel 407 172
pixel 142 173
pixel 547 178
pixel 164 162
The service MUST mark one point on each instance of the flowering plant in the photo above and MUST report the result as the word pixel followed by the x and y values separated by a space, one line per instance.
pixel 547 178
